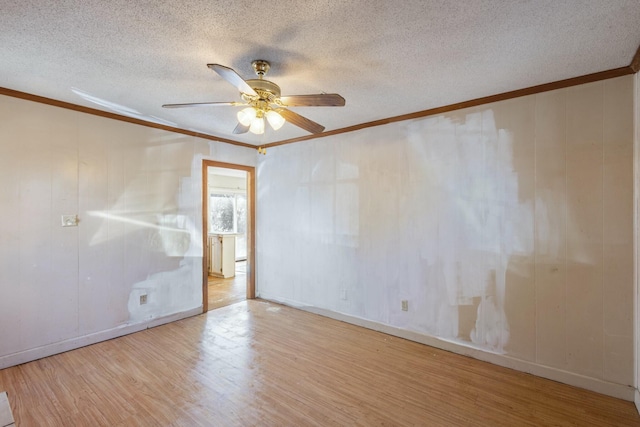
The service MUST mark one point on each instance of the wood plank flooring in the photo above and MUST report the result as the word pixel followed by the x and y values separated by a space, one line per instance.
pixel 224 292
pixel 256 363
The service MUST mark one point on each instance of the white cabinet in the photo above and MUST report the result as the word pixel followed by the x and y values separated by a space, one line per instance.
pixel 222 255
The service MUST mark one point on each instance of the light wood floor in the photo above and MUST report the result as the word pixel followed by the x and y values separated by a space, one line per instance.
pixel 260 364
pixel 224 292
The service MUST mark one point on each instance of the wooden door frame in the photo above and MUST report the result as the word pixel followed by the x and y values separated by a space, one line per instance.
pixel 251 227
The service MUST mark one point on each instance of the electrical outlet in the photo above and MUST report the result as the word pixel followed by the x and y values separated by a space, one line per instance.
pixel 405 305
pixel 143 299
pixel 69 220
pixel 343 294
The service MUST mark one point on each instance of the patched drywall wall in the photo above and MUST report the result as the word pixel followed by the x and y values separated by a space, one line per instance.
pixel 137 194
pixel 506 227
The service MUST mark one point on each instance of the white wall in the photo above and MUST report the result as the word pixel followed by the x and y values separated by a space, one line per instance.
pixel 507 227
pixel 137 193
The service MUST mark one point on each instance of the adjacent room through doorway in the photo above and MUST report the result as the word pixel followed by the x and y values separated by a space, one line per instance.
pixel 228 221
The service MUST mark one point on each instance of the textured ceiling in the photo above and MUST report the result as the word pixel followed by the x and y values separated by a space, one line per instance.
pixel 384 57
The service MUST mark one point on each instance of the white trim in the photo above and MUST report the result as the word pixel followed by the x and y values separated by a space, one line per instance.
pixel 74 343
pixel 221 190
pixel 636 399
pixel 600 386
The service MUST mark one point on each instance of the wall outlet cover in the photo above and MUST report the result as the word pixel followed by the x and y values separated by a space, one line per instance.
pixel 69 220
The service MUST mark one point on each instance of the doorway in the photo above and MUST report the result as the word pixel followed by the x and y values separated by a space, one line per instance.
pixel 228 219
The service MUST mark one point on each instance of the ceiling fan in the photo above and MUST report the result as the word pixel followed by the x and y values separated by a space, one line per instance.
pixel 263 101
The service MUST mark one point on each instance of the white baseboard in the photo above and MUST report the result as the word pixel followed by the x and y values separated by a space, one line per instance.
pixel 636 399
pixel 73 343
pixel 594 384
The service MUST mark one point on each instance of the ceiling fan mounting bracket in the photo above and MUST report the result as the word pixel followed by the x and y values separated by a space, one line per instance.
pixel 261 67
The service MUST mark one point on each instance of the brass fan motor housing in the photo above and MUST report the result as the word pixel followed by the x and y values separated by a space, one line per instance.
pixel 260 85
pixel 267 91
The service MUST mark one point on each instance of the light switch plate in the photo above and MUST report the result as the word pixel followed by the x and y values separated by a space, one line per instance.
pixel 69 220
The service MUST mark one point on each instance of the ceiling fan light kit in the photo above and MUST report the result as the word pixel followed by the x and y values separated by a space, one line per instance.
pixel 262 99
pixel 275 119
pixel 257 126
pixel 247 115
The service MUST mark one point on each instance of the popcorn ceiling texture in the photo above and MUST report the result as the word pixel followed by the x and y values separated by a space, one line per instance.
pixel 386 58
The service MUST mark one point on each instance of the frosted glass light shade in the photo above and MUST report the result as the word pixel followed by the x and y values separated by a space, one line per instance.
pixel 275 120
pixel 257 126
pixel 246 116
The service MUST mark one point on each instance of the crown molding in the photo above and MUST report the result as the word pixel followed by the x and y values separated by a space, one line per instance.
pixel 632 68
pixel 589 78
pixel 635 62
pixel 96 112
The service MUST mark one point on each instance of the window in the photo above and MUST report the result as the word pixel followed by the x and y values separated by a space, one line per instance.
pixel 229 215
